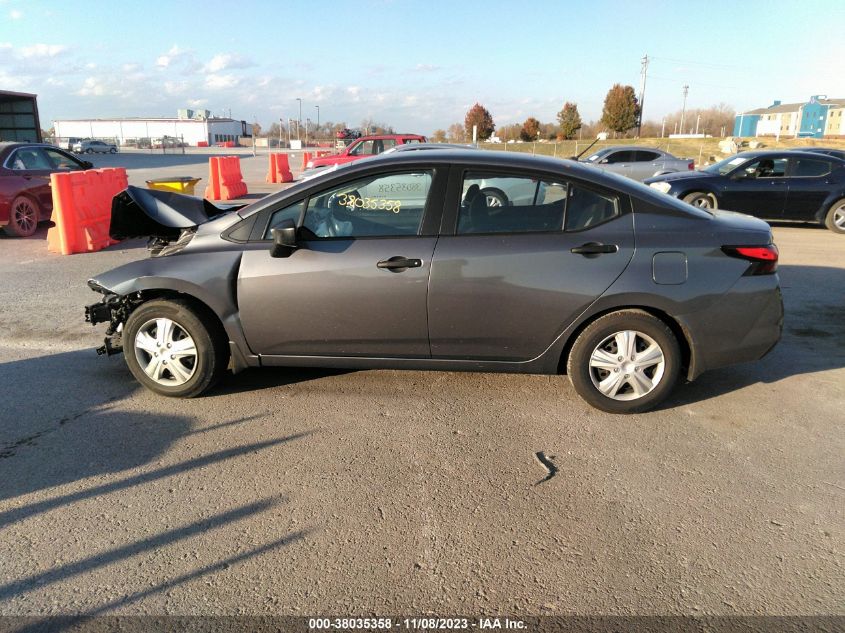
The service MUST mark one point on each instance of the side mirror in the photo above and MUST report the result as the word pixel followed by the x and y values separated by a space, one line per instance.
pixel 284 239
pixel 603 161
pixel 87 164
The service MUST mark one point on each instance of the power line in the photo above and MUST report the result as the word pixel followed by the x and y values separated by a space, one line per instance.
pixel 694 63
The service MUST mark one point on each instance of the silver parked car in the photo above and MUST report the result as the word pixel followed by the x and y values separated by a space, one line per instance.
pixel 638 163
pixel 91 147
pixel 402 262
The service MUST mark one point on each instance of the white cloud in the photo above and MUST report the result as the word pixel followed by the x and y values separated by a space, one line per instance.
pixel 171 56
pixel 221 82
pixel 15 14
pixel 426 68
pixel 40 51
pixel 226 61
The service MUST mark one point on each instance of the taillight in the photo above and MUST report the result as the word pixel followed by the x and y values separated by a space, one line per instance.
pixel 764 259
pixel 691 165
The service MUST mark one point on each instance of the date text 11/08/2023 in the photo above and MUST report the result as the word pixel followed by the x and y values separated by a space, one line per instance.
pixel 420 623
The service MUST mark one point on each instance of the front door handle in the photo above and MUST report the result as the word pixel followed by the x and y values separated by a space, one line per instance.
pixel 399 264
pixel 594 248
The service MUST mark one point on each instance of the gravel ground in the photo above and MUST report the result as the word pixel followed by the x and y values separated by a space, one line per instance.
pixel 326 492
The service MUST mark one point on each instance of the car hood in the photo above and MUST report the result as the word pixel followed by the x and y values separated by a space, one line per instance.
pixel 137 212
pixel 680 175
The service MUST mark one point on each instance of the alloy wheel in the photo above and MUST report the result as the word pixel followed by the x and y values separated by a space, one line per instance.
pixel 25 217
pixel 839 217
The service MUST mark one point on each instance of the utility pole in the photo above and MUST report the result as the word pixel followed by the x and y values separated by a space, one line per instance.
pixel 299 120
pixel 318 120
pixel 281 126
pixel 697 121
pixel 643 73
pixel 684 109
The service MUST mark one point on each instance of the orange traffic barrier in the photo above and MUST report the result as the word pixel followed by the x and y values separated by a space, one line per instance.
pixel 279 169
pixel 305 158
pixel 82 209
pixel 225 181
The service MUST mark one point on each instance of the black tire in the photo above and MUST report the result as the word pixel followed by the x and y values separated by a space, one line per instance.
pixel 596 334
pixel 24 215
pixel 495 197
pixel 113 150
pixel 701 200
pixel 835 218
pixel 212 352
pixel 89 151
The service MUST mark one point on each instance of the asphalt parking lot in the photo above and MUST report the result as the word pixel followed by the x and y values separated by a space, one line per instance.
pixel 316 492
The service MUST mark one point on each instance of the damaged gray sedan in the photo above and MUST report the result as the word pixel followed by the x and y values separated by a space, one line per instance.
pixel 402 262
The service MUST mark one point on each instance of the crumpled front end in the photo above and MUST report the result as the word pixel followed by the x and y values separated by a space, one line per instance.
pixel 114 310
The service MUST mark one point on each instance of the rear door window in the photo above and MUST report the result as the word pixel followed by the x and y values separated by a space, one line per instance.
pixel 644 156
pixel 809 168
pixel 506 204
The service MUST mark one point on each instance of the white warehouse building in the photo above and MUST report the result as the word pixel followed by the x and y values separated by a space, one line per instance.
pixel 193 127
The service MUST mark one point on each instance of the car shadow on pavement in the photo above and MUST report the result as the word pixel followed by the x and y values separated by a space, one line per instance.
pixel 70 430
pixel 256 379
pixel 200 528
pixel 813 337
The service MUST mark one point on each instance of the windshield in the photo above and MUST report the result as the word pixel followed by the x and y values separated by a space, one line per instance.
pixel 599 154
pixel 726 166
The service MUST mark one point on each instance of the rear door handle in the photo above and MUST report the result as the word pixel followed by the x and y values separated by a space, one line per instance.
pixel 594 248
pixel 398 264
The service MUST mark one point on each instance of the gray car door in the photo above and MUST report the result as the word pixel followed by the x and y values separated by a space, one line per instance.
pixel 646 164
pixel 357 283
pixel 510 279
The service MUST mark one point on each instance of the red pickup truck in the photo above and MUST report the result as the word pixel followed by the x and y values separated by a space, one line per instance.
pixel 364 147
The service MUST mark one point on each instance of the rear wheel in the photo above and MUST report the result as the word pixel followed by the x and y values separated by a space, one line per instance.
pixel 23 217
pixel 835 218
pixel 701 200
pixel 173 349
pixel 625 362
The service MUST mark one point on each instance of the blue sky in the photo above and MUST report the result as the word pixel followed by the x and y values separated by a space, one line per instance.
pixel 417 65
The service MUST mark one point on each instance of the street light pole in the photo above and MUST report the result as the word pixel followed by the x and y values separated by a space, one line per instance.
pixel 684 109
pixel 299 120
pixel 318 119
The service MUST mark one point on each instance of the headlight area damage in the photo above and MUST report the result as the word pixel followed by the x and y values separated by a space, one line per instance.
pixel 114 310
pixel 169 219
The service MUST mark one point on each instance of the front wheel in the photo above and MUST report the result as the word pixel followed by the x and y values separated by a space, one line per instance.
pixel 23 217
pixel 113 150
pixel 835 218
pixel 625 362
pixel 701 200
pixel 173 349
pixel 89 151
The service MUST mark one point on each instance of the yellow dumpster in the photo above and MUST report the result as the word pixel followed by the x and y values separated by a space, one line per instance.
pixel 179 184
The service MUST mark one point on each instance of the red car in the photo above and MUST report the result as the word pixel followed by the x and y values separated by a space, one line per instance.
pixel 25 195
pixel 364 147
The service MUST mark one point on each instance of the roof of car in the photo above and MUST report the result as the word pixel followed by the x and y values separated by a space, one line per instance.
pixel 774 152
pixel 637 147
pixel 491 159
